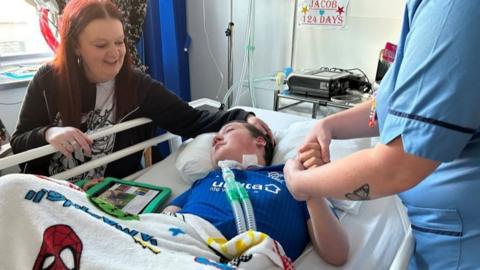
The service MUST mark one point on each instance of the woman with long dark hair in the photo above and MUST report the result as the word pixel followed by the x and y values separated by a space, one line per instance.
pixel 92 84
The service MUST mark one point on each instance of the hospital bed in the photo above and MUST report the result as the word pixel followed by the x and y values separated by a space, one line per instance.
pixel 379 231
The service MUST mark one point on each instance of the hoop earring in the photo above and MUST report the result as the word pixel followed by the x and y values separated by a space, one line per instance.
pixel 79 60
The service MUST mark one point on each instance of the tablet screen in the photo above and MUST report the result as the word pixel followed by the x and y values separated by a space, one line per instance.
pixel 130 199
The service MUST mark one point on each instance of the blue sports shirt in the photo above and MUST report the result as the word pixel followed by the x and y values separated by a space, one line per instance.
pixel 277 213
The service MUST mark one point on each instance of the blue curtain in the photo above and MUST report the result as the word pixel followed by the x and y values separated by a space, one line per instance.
pixel 163 48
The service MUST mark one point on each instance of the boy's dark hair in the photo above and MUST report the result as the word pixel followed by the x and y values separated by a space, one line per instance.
pixel 269 147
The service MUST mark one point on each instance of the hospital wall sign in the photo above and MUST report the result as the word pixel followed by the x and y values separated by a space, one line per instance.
pixel 327 13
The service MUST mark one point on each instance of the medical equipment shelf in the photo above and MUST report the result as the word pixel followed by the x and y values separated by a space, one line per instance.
pixel 316 101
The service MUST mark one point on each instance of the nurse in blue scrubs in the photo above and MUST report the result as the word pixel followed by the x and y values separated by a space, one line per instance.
pixel 427 113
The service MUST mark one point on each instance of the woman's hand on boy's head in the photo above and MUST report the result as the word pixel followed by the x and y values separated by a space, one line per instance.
pixel 260 125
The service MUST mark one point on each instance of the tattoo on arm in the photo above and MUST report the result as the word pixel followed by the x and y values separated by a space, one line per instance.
pixel 360 194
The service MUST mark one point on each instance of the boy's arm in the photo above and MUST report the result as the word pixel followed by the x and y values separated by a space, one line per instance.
pixel 326 233
pixel 171 209
pixel 178 203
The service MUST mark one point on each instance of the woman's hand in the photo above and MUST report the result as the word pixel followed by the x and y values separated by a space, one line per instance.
pixel 291 170
pixel 310 155
pixel 68 140
pixel 322 136
pixel 262 126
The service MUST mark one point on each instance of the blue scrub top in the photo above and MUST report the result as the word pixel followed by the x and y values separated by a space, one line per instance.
pixel 431 98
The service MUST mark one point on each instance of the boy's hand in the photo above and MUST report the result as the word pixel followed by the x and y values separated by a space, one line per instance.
pixel 291 170
pixel 92 183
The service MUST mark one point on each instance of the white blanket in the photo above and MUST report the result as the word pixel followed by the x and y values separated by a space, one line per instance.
pixel 46 222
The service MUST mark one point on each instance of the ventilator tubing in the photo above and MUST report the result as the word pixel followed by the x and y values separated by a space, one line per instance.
pixel 232 195
pixel 239 218
pixel 249 214
pixel 237 194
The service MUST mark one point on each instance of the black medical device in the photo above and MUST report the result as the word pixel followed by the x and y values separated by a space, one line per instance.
pixel 320 83
pixel 326 82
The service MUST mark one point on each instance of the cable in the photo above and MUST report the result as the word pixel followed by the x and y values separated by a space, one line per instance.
pixel 250 51
pixel 365 77
pixel 247 64
pixel 245 58
pixel 368 85
pixel 13 103
pixel 238 86
pixel 210 52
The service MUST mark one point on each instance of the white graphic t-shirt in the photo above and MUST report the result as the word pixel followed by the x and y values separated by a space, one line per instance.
pixel 102 116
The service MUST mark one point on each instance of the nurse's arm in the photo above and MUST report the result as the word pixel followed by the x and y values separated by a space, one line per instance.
pixel 347 124
pixel 352 123
pixel 368 174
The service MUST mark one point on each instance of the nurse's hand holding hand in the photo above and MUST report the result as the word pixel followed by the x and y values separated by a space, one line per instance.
pixel 68 140
pixel 292 168
pixel 261 125
pixel 320 135
pixel 310 155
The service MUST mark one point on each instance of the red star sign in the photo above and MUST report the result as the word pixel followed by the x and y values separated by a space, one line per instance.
pixel 340 10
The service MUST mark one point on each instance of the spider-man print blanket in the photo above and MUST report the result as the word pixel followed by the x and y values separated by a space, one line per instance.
pixel 51 224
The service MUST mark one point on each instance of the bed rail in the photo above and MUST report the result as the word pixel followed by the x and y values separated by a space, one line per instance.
pixel 173 140
pixel 28 155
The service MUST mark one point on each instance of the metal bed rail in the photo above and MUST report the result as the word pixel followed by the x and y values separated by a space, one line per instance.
pixel 173 140
pixel 45 150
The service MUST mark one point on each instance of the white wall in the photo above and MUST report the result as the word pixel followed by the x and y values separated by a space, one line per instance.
pixel 273 29
pixel 370 24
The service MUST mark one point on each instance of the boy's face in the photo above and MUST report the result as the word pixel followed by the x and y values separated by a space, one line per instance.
pixel 232 142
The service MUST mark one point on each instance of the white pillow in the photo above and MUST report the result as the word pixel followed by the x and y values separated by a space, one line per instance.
pixel 194 159
pixel 289 139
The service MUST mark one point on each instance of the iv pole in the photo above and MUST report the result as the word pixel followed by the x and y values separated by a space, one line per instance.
pixel 229 35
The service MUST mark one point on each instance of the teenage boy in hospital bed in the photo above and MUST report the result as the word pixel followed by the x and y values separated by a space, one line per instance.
pixel 43 218
pixel 277 213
